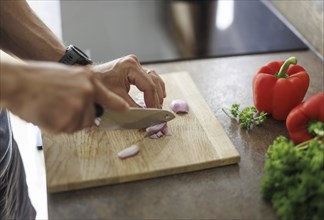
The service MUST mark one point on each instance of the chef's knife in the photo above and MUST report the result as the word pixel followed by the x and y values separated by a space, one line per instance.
pixel 136 118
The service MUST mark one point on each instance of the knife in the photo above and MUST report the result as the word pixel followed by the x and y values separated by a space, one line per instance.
pixel 135 118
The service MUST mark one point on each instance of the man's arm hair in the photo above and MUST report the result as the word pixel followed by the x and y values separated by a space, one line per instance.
pixel 23 34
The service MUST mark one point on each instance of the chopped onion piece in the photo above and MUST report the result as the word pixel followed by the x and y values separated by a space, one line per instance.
pixel 158 131
pixel 157 135
pixel 179 106
pixel 166 131
pixel 129 152
pixel 97 121
pixel 156 128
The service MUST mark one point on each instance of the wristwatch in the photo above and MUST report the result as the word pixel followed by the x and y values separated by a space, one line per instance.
pixel 74 55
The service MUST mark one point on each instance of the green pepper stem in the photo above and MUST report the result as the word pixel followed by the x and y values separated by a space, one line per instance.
pixel 224 110
pixel 284 67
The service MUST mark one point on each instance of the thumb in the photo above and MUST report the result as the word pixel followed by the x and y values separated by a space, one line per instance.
pixel 108 99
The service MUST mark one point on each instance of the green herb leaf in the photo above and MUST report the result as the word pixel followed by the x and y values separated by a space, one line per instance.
pixel 248 117
pixel 235 110
pixel 293 180
pixel 316 128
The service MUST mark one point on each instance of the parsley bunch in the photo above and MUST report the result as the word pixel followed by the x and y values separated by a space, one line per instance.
pixel 294 177
pixel 248 117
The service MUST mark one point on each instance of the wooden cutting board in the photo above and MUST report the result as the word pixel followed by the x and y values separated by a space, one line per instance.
pixel 89 158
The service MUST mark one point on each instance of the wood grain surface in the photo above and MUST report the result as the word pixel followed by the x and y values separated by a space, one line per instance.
pixel 89 157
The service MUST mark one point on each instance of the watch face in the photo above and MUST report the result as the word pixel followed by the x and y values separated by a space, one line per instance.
pixel 74 55
pixel 80 52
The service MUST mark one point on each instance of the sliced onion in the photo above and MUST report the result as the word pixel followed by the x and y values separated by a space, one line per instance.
pixel 156 128
pixel 129 152
pixel 158 131
pixel 166 131
pixel 157 135
pixel 179 106
pixel 97 121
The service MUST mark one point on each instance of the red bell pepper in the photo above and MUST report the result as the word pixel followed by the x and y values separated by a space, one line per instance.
pixel 279 86
pixel 298 118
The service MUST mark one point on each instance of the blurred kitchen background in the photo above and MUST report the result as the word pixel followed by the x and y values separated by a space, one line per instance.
pixel 161 31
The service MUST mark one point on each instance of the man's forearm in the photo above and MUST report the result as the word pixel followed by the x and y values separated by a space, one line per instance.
pixel 10 81
pixel 25 35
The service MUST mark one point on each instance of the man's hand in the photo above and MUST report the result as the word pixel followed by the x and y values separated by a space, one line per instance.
pixel 56 97
pixel 119 74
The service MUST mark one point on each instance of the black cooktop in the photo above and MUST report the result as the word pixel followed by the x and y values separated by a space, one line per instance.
pixel 161 31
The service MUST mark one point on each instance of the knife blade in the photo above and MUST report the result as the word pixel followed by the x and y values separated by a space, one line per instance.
pixel 136 118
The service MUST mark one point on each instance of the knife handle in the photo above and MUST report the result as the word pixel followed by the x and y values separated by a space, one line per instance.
pixel 99 110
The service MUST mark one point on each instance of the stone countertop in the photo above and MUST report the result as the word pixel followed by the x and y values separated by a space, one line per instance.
pixel 230 192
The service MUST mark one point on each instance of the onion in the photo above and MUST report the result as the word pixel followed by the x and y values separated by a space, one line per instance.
pixel 97 121
pixel 158 131
pixel 156 128
pixel 157 135
pixel 129 152
pixel 179 106
pixel 166 131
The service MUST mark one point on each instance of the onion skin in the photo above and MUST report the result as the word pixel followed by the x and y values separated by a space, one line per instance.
pixel 179 106
pixel 129 152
